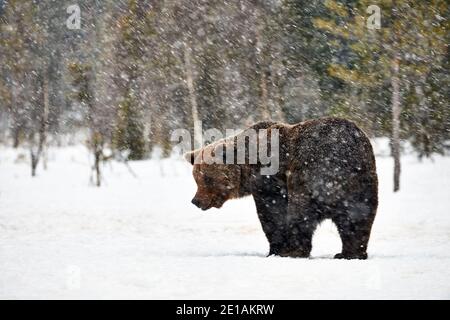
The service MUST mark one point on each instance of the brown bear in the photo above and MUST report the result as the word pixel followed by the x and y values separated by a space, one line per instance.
pixel 326 171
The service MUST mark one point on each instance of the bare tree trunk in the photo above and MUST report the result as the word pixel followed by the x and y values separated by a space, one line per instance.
pixel 279 104
pixel 97 154
pixel 34 162
pixel 45 157
pixel 35 156
pixel 264 98
pixel 16 137
pixel 15 94
pixel 423 112
pixel 96 146
pixel 277 85
pixel 192 96
pixel 396 110
pixel 44 124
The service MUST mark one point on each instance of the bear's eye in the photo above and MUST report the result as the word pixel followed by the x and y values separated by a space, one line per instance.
pixel 208 180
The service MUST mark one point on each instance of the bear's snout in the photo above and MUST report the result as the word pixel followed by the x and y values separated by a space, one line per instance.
pixel 200 204
pixel 196 202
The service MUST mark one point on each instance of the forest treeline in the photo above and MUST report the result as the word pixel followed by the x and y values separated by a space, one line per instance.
pixel 136 70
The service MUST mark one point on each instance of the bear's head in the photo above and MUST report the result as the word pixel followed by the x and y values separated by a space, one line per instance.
pixel 216 181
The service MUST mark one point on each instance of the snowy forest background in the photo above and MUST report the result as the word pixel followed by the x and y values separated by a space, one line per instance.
pixel 136 70
pixel 96 105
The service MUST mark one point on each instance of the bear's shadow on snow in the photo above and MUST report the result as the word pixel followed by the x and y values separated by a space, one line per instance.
pixel 228 254
pixel 243 254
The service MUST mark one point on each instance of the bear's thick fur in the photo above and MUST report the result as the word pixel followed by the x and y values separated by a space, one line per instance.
pixel 326 171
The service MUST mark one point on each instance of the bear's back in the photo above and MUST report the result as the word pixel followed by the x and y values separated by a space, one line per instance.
pixel 332 156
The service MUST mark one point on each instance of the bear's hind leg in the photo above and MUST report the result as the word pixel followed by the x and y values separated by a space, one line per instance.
pixel 355 237
pixel 299 239
pixel 302 221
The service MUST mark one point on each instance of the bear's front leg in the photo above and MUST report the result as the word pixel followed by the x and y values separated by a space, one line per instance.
pixel 272 215
pixel 271 204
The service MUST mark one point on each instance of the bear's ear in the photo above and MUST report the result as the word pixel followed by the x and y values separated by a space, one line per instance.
pixel 190 157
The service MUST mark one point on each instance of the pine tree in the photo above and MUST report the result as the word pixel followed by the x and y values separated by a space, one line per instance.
pixel 385 55
pixel 134 29
pixel 25 43
pixel 309 50
pixel 15 45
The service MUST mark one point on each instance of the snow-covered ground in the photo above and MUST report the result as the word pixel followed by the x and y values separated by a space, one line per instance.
pixel 140 237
